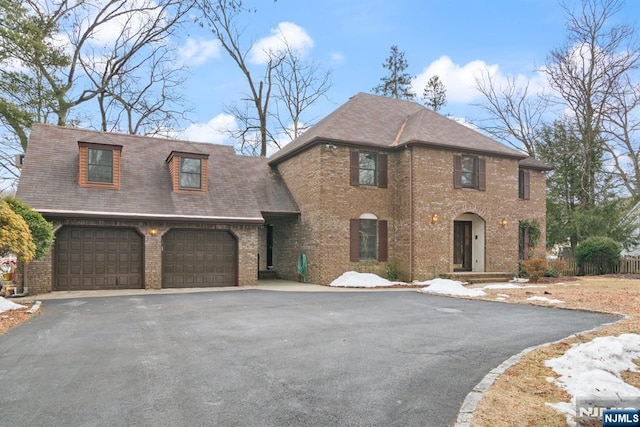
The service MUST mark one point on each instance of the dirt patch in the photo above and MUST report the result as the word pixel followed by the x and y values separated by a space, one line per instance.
pixel 12 318
pixel 519 396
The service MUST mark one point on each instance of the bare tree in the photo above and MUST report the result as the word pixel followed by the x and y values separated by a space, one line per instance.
pixel 300 84
pixel 622 130
pixel 514 115
pixel 587 73
pixel 147 99
pixel 222 18
pixel 69 53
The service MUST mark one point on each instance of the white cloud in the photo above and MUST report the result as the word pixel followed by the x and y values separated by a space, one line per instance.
pixel 196 52
pixel 136 15
pixel 285 34
pixel 459 80
pixel 337 58
pixel 215 131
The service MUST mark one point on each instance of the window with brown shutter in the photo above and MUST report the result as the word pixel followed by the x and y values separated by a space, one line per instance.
pixel 369 169
pixel 469 172
pixel 368 240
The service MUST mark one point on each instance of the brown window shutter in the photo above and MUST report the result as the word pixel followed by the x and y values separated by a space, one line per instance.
pixel 382 170
pixel 457 171
pixel 482 175
pixel 526 183
pixel 383 237
pixel 355 167
pixel 354 240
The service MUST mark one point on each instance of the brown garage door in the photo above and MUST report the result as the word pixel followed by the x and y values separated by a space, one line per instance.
pixel 199 258
pixel 98 258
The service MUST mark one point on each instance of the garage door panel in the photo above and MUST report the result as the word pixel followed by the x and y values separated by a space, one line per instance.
pixel 98 258
pixel 199 258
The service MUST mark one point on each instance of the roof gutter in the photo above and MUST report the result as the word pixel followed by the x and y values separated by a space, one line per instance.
pixel 148 217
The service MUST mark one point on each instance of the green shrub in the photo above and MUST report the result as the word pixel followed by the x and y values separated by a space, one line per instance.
pixel 534 268
pixel 41 229
pixel 602 252
pixel 15 236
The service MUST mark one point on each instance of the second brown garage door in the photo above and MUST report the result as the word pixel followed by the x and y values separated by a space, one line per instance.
pixel 199 258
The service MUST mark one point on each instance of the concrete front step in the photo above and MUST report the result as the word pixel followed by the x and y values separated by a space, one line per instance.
pixel 267 275
pixel 478 277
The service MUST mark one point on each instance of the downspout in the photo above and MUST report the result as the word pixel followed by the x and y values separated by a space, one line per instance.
pixel 410 214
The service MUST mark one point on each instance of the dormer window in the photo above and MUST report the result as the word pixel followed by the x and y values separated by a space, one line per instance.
pixel 188 171
pixel 99 165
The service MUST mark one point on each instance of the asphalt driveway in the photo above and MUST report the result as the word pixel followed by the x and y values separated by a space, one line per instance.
pixel 261 358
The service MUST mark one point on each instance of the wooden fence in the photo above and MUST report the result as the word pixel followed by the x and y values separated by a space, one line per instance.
pixel 569 267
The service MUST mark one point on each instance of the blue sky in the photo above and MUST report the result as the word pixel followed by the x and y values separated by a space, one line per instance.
pixel 452 38
pixel 455 39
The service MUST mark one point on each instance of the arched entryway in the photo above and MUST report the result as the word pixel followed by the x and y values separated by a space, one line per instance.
pixel 468 242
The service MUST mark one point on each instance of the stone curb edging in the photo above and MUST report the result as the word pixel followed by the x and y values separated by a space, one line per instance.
pixel 471 401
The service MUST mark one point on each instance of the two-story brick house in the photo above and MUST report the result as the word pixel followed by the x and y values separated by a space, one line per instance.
pixel 378 183
pixel 383 182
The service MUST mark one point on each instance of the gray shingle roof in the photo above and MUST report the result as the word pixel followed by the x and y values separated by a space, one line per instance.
pixel 386 122
pixel 239 189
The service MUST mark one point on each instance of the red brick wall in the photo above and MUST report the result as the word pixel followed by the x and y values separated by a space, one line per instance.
pixel 318 178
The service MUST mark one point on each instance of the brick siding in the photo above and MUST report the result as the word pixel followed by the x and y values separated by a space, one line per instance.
pixel 318 179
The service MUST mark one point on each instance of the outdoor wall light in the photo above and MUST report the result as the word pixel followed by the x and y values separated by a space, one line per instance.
pixel 434 219
pixel 504 222
pixel 153 231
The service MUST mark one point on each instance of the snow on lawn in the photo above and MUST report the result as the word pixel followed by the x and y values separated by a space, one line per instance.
pixel 6 305
pixel 449 287
pixel 353 279
pixel 545 299
pixel 593 369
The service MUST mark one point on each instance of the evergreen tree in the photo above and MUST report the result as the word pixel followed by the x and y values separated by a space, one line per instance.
pixel 397 84
pixel 434 95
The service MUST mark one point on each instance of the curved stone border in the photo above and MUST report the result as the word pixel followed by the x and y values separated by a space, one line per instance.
pixel 470 403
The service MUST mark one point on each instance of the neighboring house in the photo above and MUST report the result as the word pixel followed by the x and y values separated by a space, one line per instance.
pixel 379 183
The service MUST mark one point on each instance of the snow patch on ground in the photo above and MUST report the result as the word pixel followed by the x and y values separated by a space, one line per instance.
pixel 449 287
pixel 6 305
pixel 545 299
pixel 593 369
pixel 353 279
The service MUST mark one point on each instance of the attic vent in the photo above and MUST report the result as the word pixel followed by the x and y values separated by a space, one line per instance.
pixel 19 160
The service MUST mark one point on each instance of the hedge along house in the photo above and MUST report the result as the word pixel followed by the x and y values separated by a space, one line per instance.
pixel 141 212
pixel 386 184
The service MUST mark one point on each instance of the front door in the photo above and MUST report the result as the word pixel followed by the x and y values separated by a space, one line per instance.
pixel 462 254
